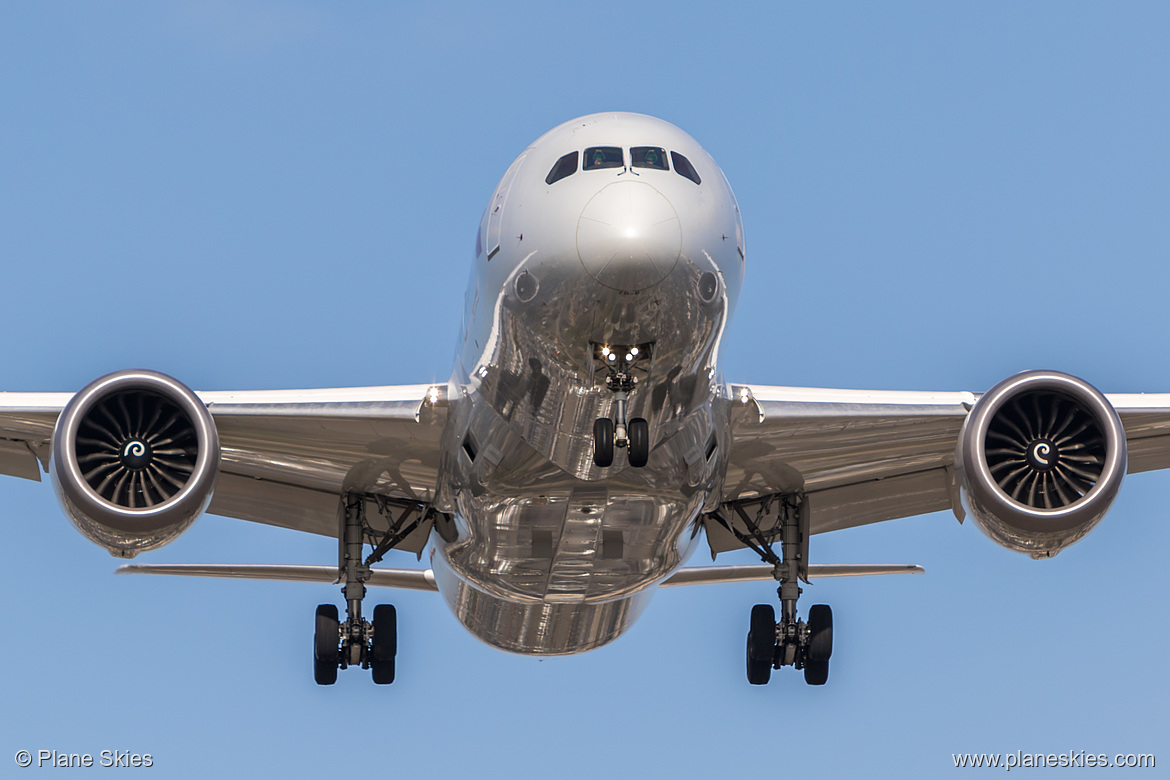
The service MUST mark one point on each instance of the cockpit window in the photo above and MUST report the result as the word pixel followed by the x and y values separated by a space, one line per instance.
pixel 602 157
pixel 683 167
pixel 566 166
pixel 648 157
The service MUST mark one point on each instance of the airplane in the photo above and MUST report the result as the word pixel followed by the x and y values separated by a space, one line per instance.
pixel 586 439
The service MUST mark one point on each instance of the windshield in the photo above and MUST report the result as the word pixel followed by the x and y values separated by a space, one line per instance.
pixel 566 166
pixel 603 157
pixel 648 157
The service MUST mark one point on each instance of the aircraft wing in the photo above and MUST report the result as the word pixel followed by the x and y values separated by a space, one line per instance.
pixel 864 457
pixel 287 454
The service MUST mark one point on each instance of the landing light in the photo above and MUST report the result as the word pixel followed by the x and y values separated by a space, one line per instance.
pixel 611 356
pixel 605 351
pixel 433 395
pixel 629 356
pixel 633 350
pixel 744 395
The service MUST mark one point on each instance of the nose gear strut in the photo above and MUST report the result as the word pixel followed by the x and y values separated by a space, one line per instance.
pixel 633 435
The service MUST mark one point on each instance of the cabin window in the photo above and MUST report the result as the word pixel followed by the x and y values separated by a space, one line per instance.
pixel 683 167
pixel 648 157
pixel 602 157
pixel 566 166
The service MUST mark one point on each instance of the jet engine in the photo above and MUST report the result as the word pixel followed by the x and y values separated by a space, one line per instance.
pixel 135 459
pixel 1041 457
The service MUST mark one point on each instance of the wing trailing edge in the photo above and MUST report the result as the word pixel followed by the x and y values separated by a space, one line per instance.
pixel 403 579
pixel 758 572
pixel 424 579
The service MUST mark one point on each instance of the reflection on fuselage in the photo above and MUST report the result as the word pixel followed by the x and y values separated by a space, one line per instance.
pixel 552 554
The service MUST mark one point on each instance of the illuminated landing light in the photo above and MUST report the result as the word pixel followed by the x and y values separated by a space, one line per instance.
pixel 611 356
pixel 433 395
pixel 634 351
pixel 629 356
pixel 744 395
pixel 605 351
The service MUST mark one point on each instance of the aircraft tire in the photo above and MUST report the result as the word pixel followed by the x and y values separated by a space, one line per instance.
pixel 761 644
pixel 820 633
pixel 385 644
pixel 639 432
pixel 816 672
pixel 325 645
pixel 603 442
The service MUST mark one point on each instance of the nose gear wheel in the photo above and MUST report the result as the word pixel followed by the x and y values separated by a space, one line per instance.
pixel 603 442
pixel 638 432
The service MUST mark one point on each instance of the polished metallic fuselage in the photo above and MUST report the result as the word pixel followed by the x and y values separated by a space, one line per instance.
pixel 550 554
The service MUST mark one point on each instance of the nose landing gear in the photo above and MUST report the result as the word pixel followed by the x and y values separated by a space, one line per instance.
pixel 636 440
pixel 632 435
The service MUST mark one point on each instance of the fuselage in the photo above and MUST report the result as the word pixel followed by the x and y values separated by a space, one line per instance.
pixel 613 240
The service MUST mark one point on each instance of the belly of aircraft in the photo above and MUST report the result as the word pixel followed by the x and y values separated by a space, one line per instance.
pixel 563 570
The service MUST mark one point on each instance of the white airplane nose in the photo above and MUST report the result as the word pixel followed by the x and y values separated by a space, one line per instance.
pixel 629 236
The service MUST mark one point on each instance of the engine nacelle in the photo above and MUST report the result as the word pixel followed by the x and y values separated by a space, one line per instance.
pixel 1041 457
pixel 135 459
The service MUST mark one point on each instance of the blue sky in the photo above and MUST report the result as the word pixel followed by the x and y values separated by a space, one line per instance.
pixel 256 194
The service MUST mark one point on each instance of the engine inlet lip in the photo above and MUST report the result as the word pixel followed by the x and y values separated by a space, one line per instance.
pixel 72 485
pixel 972 451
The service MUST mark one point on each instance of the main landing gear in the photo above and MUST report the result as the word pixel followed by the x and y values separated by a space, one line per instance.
pixel 790 641
pixel 356 641
pixel 634 435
